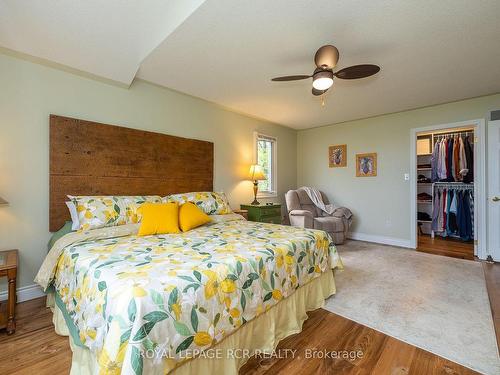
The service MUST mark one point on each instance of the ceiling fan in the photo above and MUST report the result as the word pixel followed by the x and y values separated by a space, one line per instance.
pixel 326 59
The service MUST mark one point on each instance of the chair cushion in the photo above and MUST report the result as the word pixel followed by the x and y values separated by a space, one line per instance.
pixel 306 203
pixel 329 224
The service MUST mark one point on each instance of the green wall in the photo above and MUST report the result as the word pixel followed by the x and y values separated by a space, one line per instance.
pixel 30 92
pixel 381 204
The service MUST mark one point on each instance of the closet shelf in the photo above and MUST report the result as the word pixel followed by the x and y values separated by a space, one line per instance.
pixel 424 162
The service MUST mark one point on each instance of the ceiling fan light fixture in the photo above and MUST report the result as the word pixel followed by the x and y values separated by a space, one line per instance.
pixel 323 80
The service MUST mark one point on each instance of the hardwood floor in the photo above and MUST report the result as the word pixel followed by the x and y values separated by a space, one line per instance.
pixel 36 348
pixel 448 247
pixel 492 276
pixel 382 354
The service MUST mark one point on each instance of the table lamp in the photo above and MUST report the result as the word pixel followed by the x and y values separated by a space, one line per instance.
pixel 256 174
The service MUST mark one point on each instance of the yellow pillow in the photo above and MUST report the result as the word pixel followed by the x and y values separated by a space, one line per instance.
pixel 159 218
pixel 190 216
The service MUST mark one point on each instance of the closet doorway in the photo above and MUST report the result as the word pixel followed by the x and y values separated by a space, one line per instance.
pixel 448 213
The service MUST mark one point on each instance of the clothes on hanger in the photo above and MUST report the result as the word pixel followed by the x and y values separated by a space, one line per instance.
pixel 469 157
pixel 435 162
pixel 449 160
pixel 452 159
pixel 436 211
pixel 456 158
pixel 453 212
pixel 471 205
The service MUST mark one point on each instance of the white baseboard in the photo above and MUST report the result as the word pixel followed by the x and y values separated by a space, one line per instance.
pixel 394 241
pixel 25 293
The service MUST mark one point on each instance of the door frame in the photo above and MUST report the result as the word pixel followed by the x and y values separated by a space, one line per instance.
pixel 479 180
pixel 492 168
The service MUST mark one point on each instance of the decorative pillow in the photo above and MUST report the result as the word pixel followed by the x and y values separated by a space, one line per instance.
pixel 75 223
pixel 191 216
pixel 210 203
pixel 159 218
pixel 107 211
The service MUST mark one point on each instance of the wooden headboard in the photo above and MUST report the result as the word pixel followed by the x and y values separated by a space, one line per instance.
pixel 88 158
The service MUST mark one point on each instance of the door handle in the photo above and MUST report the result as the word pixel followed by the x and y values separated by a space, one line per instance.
pixel 495 199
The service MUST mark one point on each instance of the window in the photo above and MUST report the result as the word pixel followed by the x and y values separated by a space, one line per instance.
pixel 265 155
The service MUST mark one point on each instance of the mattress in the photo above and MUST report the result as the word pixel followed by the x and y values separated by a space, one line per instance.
pixel 150 304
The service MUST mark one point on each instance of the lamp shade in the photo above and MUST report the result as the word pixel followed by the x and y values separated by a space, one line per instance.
pixel 3 202
pixel 256 173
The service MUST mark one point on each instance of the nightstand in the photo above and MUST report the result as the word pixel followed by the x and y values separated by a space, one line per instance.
pixel 243 213
pixel 8 268
pixel 263 213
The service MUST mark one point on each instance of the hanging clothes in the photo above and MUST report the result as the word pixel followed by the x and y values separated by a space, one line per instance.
pixel 442 160
pixel 471 205
pixel 452 160
pixel 464 216
pixel 469 157
pixel 435 211
pixel 434 162
pixel 455 164
pixel 451 227
pixel 444 198
pixel 453 212
pixel 449 161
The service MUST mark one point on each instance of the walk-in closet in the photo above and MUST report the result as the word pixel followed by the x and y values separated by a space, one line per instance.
pixel 446 192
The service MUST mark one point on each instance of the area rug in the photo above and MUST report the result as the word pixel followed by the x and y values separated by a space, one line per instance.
pixel 436 303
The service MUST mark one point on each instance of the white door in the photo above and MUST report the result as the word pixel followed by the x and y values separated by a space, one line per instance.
pixel 493 226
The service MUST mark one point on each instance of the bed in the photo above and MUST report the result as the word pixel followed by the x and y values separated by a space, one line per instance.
pixel 202 301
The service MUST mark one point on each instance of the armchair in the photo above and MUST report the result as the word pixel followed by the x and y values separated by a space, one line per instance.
pixel 303 213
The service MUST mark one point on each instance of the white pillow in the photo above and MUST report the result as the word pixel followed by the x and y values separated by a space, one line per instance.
pixel 74 215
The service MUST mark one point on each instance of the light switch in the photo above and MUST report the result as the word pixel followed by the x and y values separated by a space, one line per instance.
pixel 407 177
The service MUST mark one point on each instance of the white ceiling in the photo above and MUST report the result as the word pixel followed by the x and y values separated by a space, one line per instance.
pixel 226 51
pixel 106 38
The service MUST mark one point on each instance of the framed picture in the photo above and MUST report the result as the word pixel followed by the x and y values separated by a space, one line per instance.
pixel 366 164
pixel 337 156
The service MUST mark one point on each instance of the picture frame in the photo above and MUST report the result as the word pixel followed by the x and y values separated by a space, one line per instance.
pixel 366 164
pixel 337 156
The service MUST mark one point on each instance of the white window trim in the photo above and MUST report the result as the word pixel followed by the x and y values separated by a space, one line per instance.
pixel 274 193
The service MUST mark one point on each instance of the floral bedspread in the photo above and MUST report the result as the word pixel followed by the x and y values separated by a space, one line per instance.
pixel 169 294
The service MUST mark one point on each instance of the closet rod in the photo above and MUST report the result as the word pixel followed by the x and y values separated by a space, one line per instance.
pixel 452 134
pixel 448 131
pixel 454 185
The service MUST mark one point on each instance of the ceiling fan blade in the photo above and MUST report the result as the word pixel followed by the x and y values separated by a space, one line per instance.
pixel 326 57
pixel 357 71
pixel 290 78
pixel 317 92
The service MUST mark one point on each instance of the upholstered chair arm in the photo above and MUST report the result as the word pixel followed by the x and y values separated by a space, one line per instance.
pixel 301 213
pixel 301 218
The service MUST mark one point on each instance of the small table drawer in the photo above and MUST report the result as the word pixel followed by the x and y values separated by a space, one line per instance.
pixel 263 213
pixel 270 211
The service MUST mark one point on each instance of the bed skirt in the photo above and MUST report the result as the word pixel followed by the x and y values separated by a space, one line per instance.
pixel 260 334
